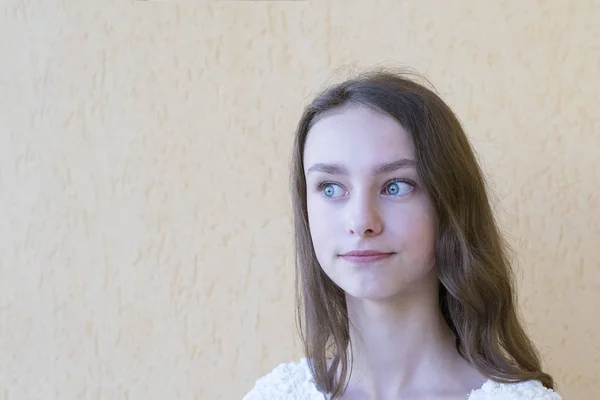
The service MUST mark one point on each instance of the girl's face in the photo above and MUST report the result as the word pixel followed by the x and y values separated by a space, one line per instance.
pixel 363 194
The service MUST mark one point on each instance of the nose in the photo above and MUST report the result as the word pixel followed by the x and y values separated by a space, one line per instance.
pixel 364 218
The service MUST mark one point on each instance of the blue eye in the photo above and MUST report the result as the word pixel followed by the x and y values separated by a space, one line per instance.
pixel 329 189
pixel 398 188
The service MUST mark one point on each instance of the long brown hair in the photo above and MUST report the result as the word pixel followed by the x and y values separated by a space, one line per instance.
pixel 476 294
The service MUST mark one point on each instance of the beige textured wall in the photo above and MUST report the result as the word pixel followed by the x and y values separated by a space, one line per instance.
pixel 146 236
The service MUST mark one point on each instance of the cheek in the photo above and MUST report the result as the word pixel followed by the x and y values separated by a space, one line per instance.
pixel 320 214
pixel 417 231
pixel 322 223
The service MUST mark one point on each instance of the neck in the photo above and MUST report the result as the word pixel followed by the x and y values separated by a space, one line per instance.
pixel 400 346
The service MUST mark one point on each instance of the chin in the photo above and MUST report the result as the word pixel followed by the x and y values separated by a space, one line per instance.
pixel 368 297
pixel 388 289
pixel 372 293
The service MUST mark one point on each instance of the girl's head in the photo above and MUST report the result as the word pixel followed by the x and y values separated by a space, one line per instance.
pixel 381 163
pixel 363 193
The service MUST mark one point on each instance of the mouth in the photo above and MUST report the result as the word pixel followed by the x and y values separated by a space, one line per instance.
pixel 365 256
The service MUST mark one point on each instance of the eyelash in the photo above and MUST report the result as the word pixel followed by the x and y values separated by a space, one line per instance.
pixel 323 184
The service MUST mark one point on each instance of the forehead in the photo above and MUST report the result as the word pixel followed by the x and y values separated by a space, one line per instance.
pixel 357 136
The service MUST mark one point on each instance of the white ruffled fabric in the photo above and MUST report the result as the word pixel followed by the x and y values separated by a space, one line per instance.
pixel 530 390
pixel 293 381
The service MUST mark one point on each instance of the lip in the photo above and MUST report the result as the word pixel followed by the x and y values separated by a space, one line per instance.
pixel 365 256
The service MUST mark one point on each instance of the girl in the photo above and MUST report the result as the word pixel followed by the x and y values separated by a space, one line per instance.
pixel 404 286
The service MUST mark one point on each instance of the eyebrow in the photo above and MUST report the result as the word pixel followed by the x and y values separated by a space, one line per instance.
pixel 336 169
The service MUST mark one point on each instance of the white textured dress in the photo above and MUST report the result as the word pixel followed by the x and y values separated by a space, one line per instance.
pixel 293 381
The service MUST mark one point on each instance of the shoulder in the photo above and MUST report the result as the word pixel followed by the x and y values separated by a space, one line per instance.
pixel 528 390
pixel 291 381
